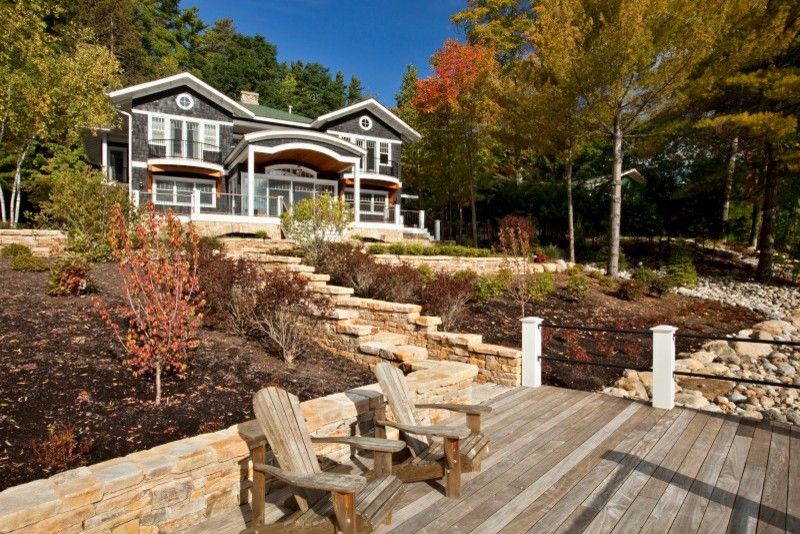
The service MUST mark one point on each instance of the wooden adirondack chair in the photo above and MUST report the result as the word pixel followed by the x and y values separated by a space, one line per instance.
pixel 358 504
pixel 462 448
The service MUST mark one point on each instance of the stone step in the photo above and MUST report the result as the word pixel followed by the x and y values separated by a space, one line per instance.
pixel 342 314
pixel 389 351
pixel 332 290
pixel 272 259
pixel 316 278
pixel 349 328
pixel 390 338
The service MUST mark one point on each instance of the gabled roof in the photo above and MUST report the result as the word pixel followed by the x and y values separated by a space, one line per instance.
pixel 407 132
pixel 180 80
pixel 278 114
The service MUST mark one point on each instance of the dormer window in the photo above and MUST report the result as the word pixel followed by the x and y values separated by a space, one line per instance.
pixel 185 101
pixel 365 123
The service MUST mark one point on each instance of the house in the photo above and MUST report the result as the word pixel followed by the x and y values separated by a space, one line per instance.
pixel 235 166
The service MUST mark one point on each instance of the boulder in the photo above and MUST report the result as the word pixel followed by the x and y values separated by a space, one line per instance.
pixel 704 357
pixel 688 365
pixel 634 386
pixel 784 369
pixel 752 414
pixel 750 351
pixel 710 389
pixel 691 399
pixel 736 397
pixel 723 351
pixel 774 327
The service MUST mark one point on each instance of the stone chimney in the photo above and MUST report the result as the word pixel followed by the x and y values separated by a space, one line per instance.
pixel 249 97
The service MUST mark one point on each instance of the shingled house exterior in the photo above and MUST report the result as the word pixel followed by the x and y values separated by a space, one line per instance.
pixel 235 166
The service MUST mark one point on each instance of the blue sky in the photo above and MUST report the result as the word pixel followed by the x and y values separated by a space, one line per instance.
pixel 374 40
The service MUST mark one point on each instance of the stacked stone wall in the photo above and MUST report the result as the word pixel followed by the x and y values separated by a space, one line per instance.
pixel 43 243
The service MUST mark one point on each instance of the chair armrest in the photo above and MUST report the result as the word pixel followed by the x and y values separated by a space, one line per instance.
pixel 364 443
pixel 471 409
pixel 317 481
pixel 441 431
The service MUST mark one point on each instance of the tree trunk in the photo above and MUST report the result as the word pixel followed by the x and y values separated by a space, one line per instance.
pixel 16 189
pixel 616 200
pixel 570 215
pixel 2 205
pixel 473 213
pixel 726 203
pixel 158 383
pixel 755 217
pixel 766 241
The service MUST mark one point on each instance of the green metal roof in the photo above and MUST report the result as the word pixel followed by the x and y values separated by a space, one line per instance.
pixel 272 113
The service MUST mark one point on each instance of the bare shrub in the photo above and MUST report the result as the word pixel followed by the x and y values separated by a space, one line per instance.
pixel 447 296
pixel 349 265
pixel 398 283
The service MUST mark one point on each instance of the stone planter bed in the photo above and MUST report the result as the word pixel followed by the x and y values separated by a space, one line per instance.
pixel 61 370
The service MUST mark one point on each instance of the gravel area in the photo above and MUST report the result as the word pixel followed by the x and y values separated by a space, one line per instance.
pixel 774 301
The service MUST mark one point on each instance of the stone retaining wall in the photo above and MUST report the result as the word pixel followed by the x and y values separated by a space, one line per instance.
pixel 459 263
pixel 185 482
pixel 43 243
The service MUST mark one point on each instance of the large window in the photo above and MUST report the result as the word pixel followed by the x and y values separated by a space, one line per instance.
pixel 384 153
pixel 179 191
pixel 187 138
pixel 375 202
pixel 117 164
pixel 378 152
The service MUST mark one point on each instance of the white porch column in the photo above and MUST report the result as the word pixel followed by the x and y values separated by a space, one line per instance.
pixel 663 366
pixel 251 185
pixel 437 230
pixel 531 352
pixel 196 202
pixel 104 156
pixel 357 191
pixel 397 215
pixel 422 219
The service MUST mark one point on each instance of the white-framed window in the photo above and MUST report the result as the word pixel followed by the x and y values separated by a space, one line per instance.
pixel 179 191
pixel 383 153
pixel 365 123
pixel 158 130
pixel 185 101
pixel 371 155
pixel 117 168
pixel 211 137
pixel 372 201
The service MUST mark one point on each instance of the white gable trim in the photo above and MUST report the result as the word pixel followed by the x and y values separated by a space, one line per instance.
pixel 374 106
pixel 178 80
pixel 299 134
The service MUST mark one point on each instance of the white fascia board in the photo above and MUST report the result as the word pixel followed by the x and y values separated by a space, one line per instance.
pixel 302 134
pixel 170 82
pixel 375 106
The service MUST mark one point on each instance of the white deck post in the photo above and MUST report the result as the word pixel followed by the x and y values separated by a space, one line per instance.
pixel 357 192
pixel 251 185
pixel 104 155
pixel 397 215
pixel 437 230
pixel 422 219
pixel 532 351
pixel 663 366
pixel 196 202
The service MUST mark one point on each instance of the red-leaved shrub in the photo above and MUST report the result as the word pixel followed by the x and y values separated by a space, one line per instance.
pixel 398 283
pixel 447 296
pixel 60 449
pixel 158 323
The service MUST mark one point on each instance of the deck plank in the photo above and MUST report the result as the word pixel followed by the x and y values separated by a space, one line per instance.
pixel 748 498
pixel 772 513
pixel 793 496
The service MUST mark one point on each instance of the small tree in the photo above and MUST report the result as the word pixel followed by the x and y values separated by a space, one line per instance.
pixel 515 238
pixel 157 325
pixel 314 222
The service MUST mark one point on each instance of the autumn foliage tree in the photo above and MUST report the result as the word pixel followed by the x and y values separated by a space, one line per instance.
pixel 158 322
pixel 459 98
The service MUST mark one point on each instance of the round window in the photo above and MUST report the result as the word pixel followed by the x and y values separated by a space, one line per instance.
pixel 365 123
pixel 185 101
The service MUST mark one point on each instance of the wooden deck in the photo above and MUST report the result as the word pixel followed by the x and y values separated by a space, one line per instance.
pixel 571 461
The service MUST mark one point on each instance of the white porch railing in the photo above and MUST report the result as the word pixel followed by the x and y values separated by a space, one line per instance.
pixel 212 204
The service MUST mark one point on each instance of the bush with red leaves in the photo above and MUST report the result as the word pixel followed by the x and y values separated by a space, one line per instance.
pixel 60 449
pixel 447 296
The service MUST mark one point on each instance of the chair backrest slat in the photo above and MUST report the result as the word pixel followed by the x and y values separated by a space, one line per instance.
pixel 401 400
pixel 279 414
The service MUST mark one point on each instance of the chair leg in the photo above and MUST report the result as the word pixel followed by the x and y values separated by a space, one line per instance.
pixel 344 507
pixel 474 423
pixel 452 468
pixel 382 463
pixel 259 490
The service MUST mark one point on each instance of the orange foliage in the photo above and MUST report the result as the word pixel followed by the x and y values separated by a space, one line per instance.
pixel 460 70
pixel 161 315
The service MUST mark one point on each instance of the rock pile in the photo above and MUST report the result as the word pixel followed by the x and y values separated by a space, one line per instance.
pixel 738 359
pixel 776 302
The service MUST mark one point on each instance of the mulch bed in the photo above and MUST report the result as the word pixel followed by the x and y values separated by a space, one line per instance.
pixel 60 368
pixel 499 323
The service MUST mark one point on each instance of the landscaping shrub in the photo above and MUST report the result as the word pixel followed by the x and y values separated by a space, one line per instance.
pixel 80 203
pixel 397 283
pixel 13 250
pixel 219 278
pixel 315 222
pixel 416 249
pixel 348 265
pixel 631 290
pixel 661 285
pixel 60 450
pixel 603 279
pixel 69 276
pixel 601 257
pixel 427 273
pixel 515 236
pixel 577 288
pixel 28 262
pixel 447 296
pixel 541 285
pixel 644 275
pixel 260 234
pixel 680 269
pixel 281 310
pixel 158 262
pixel 552 252
pixel 492 286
